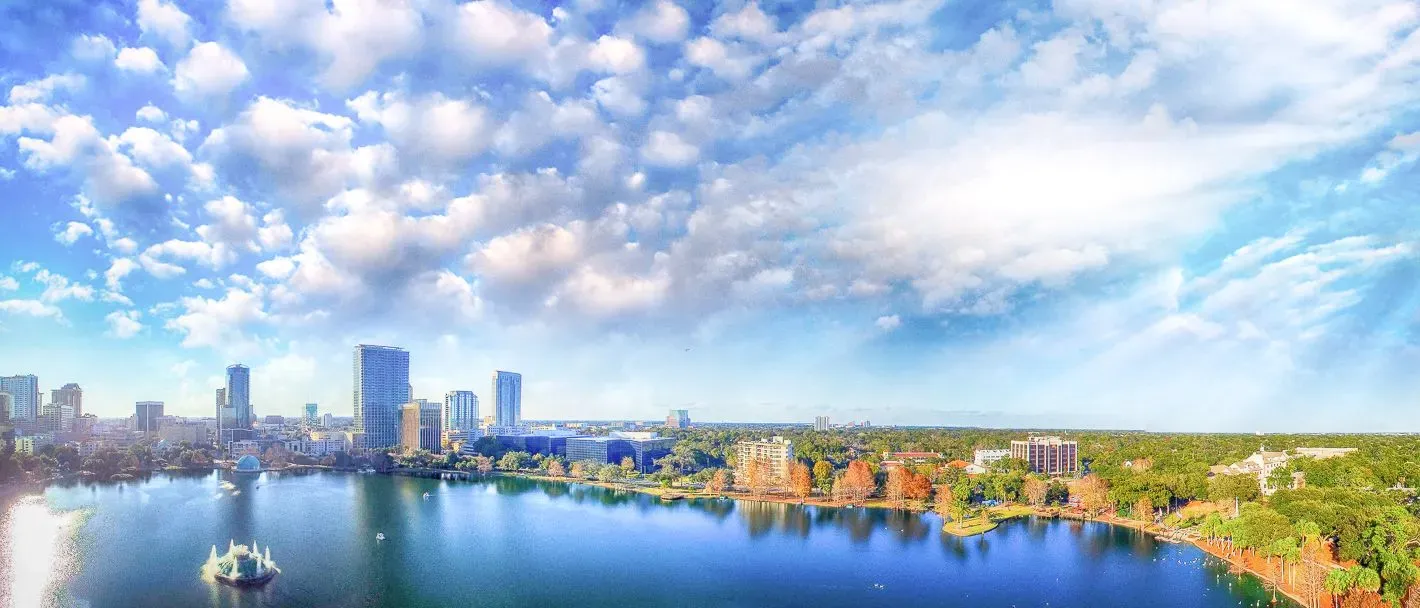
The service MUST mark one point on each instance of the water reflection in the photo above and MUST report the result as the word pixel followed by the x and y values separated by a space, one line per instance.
pixel 38 551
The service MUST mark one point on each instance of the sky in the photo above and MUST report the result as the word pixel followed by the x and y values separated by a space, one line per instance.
pixel 1169 215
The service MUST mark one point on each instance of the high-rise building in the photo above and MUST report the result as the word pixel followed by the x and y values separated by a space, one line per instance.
pixel 820 423
pixel 221 410
pixel 507 399
pixel 431 426
pixel 58 418
pixel 7 405
pixel 460 412
pixel 24 396
pixel 381 388
pixel 1048 455
pixel 328 420
pixel 70 395
pixel 777 454
pixel 678 419
pixel 146 415
pixel 409 427
pixel 312 417
pixel 239 395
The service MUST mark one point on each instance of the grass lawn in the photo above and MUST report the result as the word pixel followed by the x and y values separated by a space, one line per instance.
pixel 1005 512
pixel 970 527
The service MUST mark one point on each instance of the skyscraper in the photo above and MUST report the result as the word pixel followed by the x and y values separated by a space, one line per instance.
pixel 24 395
pixel 71 395
pixel 146 415
pixel 7 403
pixel 409 427
pixel 239 395
pixel 678 419
pixel 381 387
pixel 430 426
pixel 460 411
pixel 820 423
pixel 507 399
pixel 312 416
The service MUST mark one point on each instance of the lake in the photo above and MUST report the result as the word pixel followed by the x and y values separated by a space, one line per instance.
pixel 516 542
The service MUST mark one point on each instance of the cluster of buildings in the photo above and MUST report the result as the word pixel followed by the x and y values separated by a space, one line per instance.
pixel 777 454
pixel 30 422
pixel 1263 463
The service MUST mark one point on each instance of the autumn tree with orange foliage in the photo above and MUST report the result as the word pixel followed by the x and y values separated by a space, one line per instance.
pixel 717 482
pixel 896 488
pixel 1035 490
pixel 555 469
pixel 856 483
pixel 942 503
pixel 1094 494
pixel 801 480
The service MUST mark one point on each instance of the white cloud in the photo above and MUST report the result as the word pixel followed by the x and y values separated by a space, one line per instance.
pixel 667 149
pixel 209 71
pixel 92 47
pixel 616 55
pixel 490 32
pixel 39 91
pixel 748 23
pixel 33 308
pixel 110 177
pixel 219 323
pixel 72 232
pixel 729 62
pixel 304 154
pixel 154 149
pixel 277 268
pixel 232 224
pixel 120 268
pixel 140 59
pixel 662 21
pixel 151 113
pixel 58 288
pixel 361 34
pixel 619 96
pixel 433 127
pixel 123 324
pixel 8 283
pixel 274 234
pixel 165 20
pixel 888 323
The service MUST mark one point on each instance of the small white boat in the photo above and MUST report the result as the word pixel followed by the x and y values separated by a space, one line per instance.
pixel 426 496
pixel 379 537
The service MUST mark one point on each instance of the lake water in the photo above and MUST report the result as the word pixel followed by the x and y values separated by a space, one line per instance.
pixel 514 542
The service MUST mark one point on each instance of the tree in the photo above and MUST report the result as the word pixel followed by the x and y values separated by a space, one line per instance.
pixel 628 464
pixel 757 477
pixel 717 482
pixel 800 480
pixel 578 470
pixel 668 474
pixel 856 483
pixel 484 464
pixel 512 461
pixel 942 503
pixel 1094 494
pixel 1144 509
pixel 961 499
pixel 1035 490
pixel 555 469
pixel 896 488
pixel 919 487
pixel 1339 583
pixel 609 473
pixel 823 476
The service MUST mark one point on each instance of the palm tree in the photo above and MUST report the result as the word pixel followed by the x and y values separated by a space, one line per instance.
pixel 1338 583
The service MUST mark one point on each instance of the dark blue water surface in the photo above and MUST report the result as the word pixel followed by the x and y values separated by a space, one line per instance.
pixel 514 542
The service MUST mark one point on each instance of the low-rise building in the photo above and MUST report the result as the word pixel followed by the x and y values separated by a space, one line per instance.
pixel 985 458
pixel 643 448
pixel 29 444
pixel 176 432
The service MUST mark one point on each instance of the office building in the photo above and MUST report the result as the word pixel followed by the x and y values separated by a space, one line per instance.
pixel 507 399
pixel 985 458
pixel 409 427
pixel 24 396
pixel 678 419
pixel 820 423
pixel 1048 455
pixel 57 418
pixel 328 420
pixel 239 395
pixel 70 395
pixel 777 453
pixel 7 405
pixel 460 413
pixel 312 415
pixel 177 431
pixel 431 426
pixel 381 389
pixel 643 448
pixel 146 415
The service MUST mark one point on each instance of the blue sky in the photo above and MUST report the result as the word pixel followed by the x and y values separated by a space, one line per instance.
pixel 1174 215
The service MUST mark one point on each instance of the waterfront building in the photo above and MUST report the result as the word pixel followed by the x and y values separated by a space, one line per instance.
pixel 460 414
pixel 322 444
pixel 70 395
pixel 146 415
pixel 409 427
pixel 820 423
pixel 643 448
pixel 24 396
pixel 178 431
pixel 985 458
pixel 507 399
pixel 312 414
pixel 777 453
pixel 1048 455
pixel 678 419
pixel 239 395
pixel 549 443
pixel 431 435
pixel 381 388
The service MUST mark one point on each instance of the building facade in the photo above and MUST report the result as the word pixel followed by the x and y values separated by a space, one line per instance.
pixel 7 405
pixel 381 388
pixel 24 396
pixel 778 453
pixel 146 415
pixel 985 458
pixel 820 423
pixel 1048 455
pixel 58 418
pixel 431 426
pixel 507 399
pixel 460 413
pixel 312 414
pixel 70 395
pixel 409 427
pixel 239 395
pixel 179 431
pixel 678 419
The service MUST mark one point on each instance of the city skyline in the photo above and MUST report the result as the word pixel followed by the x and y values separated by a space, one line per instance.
pixel 1073 215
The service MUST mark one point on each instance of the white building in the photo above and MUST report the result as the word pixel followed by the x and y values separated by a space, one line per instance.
pixel 507 399
pixel 28 444
pixel 984 458
pixel 778 453
pixel 322 444
pixel 820 423
pixel 178 431
pixel 24 395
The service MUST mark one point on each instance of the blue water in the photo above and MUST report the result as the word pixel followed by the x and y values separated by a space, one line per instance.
pixel 513 542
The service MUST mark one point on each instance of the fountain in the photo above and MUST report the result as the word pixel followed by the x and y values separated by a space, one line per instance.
pixel 242 566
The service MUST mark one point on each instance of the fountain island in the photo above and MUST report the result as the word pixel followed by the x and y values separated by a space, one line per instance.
pixel 242 566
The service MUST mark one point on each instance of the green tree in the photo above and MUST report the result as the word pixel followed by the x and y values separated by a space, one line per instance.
pixel 609 473
pixel 823 476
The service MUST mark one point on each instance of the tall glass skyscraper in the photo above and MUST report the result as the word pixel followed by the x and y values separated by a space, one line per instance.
pixel 312 418
pixel 239 395
pixel 24 396
pixel 381 387
pixel 460 411
pixel 507 398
